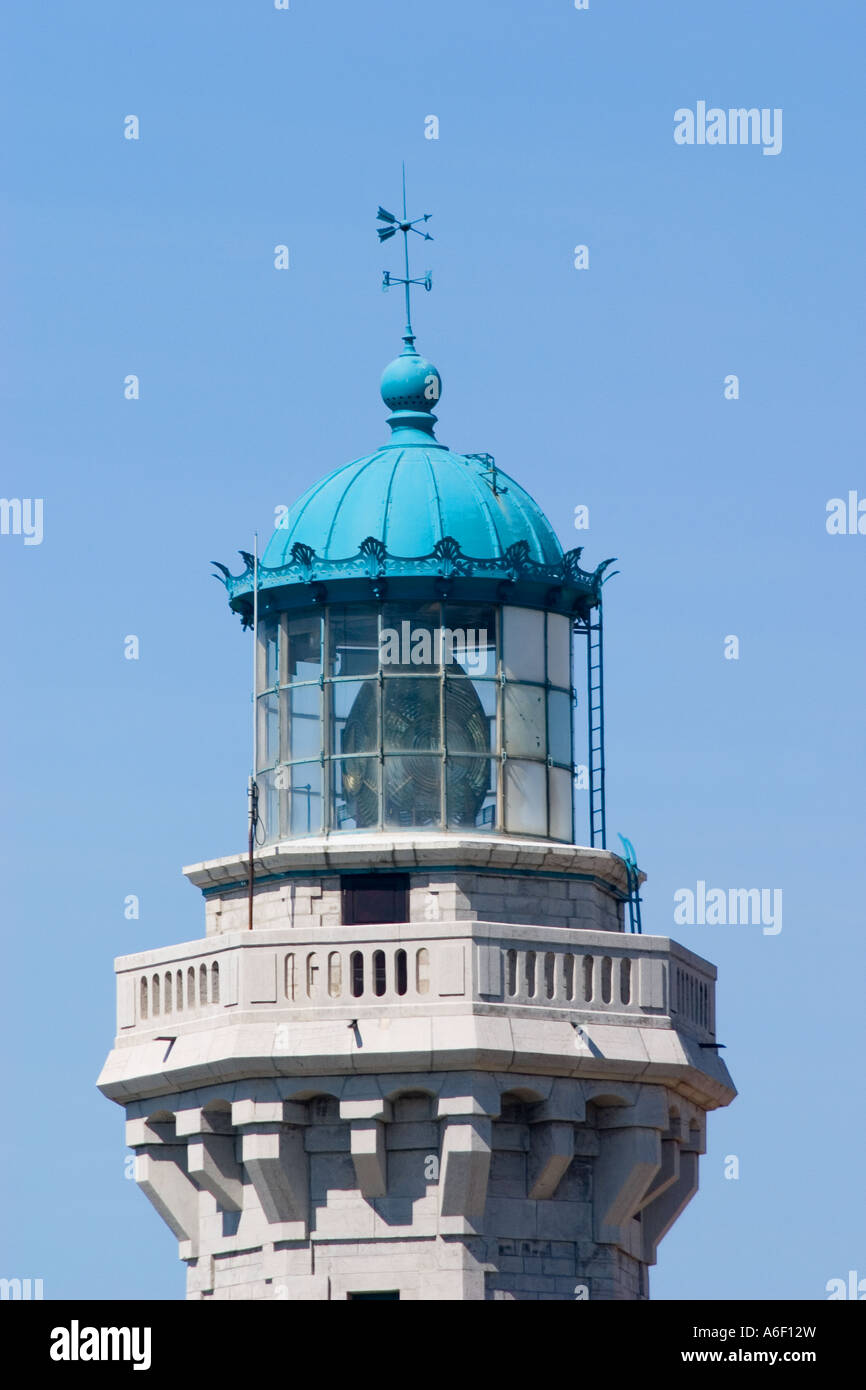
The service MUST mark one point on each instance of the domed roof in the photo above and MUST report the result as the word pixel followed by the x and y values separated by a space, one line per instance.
pixel 415 511
pixel 414 492
pixel 410 498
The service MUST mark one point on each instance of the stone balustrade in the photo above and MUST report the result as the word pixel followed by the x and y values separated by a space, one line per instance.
pixel 440 967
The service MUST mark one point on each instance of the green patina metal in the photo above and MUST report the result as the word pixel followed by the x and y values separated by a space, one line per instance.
pixel 373 572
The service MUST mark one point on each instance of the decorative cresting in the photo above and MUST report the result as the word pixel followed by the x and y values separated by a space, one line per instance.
pixel 564 587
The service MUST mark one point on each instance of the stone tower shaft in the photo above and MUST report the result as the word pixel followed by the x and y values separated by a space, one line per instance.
pixel 503 1096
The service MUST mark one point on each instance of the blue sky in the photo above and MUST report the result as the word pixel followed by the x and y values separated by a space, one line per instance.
pixel 602 387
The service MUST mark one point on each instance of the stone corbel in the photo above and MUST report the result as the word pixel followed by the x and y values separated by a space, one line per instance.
pixel 627 1164
pixel 211 1160
pixel 552 1136
pixel 467 1146
pixel 160 1171
pixel 272 1152
pixel 367 1120
pixel 661 1213
pixel 667 1174
pixel 550 1155
pixel 464 1170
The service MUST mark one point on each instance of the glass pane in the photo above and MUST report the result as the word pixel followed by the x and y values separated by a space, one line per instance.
pixel 305 798
pixel 523 644
pixel 269 803
pixel 355 791
pixel 561 827
pixel 412 790
pixel 469 638
pixel 470 792
pixel 525 798
pixel 304 648
pixel 524 720
pixel 354 716
pixel 470 716
pixel 559 726
pixel 411 636
pixel 558 650
pixel 411 712
pixel 269 731
pixel 267 672
pixel 305 735
pixel 354 641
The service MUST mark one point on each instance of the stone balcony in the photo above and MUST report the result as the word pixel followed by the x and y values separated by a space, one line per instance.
pixel 416 997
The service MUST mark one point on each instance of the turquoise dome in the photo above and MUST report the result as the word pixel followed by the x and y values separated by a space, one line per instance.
pixel 414 492
pixel 410 498
pixel 414 513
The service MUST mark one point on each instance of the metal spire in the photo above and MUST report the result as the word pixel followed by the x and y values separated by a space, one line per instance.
pixel 392 226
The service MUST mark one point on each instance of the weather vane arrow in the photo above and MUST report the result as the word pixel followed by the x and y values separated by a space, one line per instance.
pixel 404 224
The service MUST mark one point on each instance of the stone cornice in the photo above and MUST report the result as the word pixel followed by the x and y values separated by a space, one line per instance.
pixel 406 853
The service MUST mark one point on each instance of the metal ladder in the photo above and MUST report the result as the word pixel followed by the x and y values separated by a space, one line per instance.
pixel 595 730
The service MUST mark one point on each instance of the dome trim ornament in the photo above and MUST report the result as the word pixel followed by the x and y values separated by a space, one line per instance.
pixel 569 587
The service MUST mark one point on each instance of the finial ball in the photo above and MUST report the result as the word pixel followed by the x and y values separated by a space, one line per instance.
pixel 411 382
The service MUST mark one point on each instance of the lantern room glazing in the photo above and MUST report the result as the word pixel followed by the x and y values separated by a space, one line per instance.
pixel 407 716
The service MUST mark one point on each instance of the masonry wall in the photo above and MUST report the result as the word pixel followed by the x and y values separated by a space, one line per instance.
pixel 314 902
pixel 482 1187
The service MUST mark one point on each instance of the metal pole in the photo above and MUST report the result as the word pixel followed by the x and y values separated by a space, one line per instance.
pixel 254 788
pixel 408 334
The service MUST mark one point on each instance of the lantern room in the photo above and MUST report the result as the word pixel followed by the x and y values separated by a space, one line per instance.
pixel 415 616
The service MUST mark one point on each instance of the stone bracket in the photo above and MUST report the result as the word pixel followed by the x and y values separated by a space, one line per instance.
pixel 211 1163
pixel 667 1174
pixel 549 1157
pixel 659 1215
pixel 367 1146
pixel 159 1172
pixel 628 1161
pixel 274 1158
pixel 465 1167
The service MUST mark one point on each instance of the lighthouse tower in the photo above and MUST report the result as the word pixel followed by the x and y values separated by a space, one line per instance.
pixel 423 1050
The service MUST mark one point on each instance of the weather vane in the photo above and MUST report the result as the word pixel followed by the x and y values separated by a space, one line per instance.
pixel 392 226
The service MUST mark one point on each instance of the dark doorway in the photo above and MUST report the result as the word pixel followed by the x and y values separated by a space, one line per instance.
pixel 369 899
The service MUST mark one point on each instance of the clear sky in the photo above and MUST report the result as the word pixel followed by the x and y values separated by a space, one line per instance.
pixel 603 387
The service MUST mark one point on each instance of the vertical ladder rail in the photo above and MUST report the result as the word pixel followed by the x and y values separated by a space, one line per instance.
pixel 595 727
